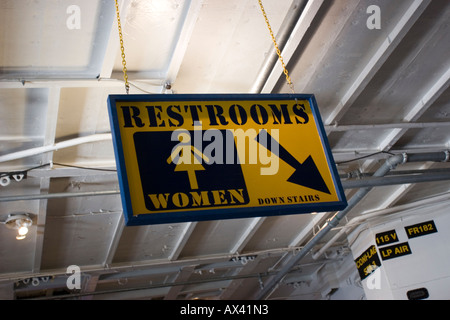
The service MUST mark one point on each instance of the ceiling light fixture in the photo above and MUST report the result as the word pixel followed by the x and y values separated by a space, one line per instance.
pixel 20 222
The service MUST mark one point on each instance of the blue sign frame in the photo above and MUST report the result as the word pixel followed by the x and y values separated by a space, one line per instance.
pixel 133 218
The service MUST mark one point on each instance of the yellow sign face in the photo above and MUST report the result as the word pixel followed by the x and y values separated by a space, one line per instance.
pixel 204 157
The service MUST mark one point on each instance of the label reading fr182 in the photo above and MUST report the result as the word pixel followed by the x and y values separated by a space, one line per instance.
pixel 421 229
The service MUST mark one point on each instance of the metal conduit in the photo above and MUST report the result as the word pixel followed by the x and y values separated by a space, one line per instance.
pixel 390 164
pixel 444 174
pixel 55 146
pixel 374 181
pixel 360 175
pixel 389 181
pixel 294 13
pixel 401 125
pixel 58 195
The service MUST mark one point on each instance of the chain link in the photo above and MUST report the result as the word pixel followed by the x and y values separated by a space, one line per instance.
pixel 286 73
pixel 124 63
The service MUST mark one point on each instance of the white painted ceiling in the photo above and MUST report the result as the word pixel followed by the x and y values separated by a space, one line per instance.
pixel 378 90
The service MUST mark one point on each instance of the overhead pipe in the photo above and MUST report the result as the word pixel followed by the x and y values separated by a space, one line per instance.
pixel 59 195
pixel 401 125
pixel 390 181
pixel 443 156
pixel 350 184
pixel 390 164
pixel 418 176
pixel 55 146
pixel 282 37
pixel 358 174
pixel 369 182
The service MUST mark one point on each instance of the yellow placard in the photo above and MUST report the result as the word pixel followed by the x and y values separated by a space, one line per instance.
pixel 179 154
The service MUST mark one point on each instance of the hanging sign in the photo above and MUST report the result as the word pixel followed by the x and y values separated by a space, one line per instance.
pixel 207 157
pixel 394 251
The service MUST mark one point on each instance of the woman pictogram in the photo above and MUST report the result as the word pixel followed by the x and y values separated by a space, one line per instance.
pixel 186 158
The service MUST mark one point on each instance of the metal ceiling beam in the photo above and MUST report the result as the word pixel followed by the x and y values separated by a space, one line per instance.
pixel 115 239
pixel 307 230
pixel 182 276
pixel 182 240
pixel 49 138
pixel 319 12
pixel 113 47
pixel 248 233
pixel 251 267
pixel 90 286
pixel 398 179
pixel 79 83
pixel 166 78
pixel 150 267
pixel 184 36
pixel 302 25
pixel 40 226
pixel 282 37
pixel 194 287
pixel 379 57
pixel 430 96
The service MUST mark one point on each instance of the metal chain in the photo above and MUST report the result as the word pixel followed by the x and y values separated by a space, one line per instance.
pixel 288 79
pixel 124 63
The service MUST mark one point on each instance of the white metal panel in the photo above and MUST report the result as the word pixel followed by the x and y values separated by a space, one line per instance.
pixel 211 237
pixel 42 40
pixel 81 239
pixel 146 243
pixel 228 45
pixel 278 232
pixel 150 32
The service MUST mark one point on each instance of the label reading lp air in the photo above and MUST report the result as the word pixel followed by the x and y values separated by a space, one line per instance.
pixel 395 251
pixel 421 229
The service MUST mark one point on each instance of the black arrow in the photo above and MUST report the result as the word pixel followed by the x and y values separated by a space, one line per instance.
pixel 306 174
